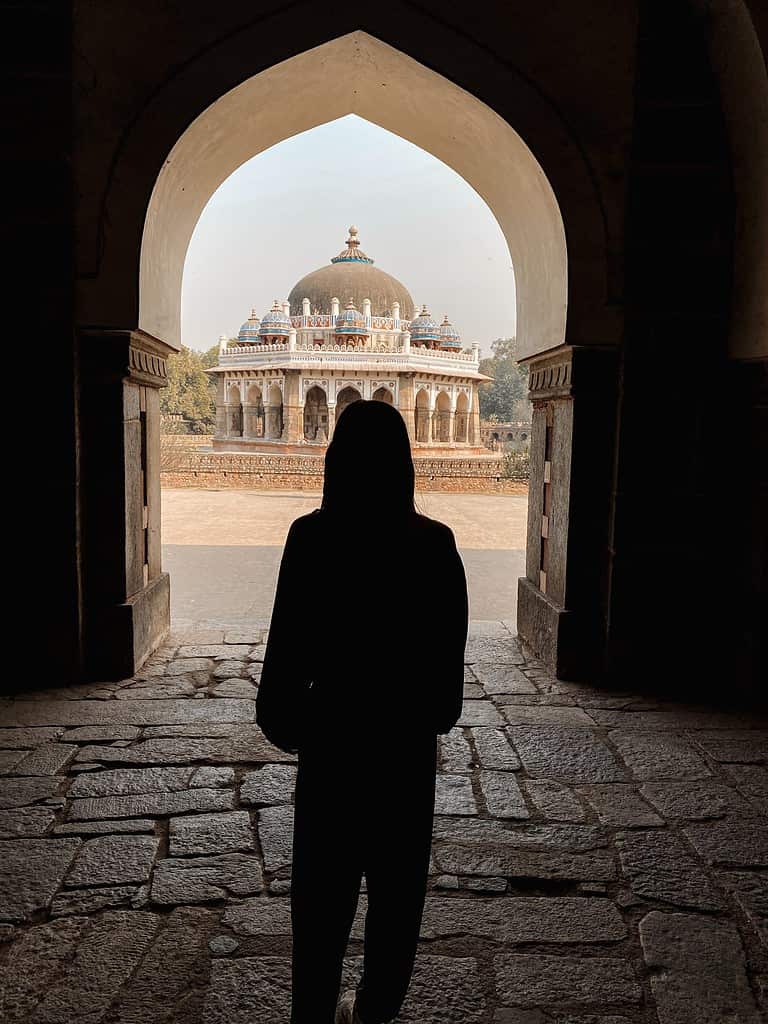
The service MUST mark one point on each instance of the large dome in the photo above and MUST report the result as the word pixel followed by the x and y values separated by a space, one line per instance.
pixel 351 275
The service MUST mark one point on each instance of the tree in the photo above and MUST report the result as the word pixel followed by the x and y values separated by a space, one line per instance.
pixel 502 398
pixel 190 392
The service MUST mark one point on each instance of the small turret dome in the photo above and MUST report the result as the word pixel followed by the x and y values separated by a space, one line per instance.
pixel 351 322
pixel 275 323
pixel 424 329
pixel 249 332
pixel 449 336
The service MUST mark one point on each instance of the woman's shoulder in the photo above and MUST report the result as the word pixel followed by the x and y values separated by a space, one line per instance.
pixel 305 525
pixel 433 528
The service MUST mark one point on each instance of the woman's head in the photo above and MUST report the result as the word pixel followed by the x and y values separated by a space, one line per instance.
pixel 368 465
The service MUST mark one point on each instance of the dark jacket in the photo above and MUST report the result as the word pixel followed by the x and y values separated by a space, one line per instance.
pixel 367 634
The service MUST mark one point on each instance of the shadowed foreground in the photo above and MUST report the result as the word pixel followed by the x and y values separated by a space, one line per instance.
pixel 597 856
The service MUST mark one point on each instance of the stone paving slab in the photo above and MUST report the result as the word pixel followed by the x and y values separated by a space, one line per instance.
pixel 31 871
pixel 530 919
pixel 599 857
pixel 113 860
pixel 272 784
pixel 699 970
pixel 660 867
pixel 242 744
pixel 564 981
pixel 21 822
pixel 554 801
pixel 230 832
pixel 494 749
pixel 650 756
pixel 202 879
pixel 136 712
pixel 159 804
pixel 565 753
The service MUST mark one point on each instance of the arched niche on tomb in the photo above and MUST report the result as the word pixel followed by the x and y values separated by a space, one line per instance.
pixel 461 424
pixel 234 411
pixel 316 415
pixel 345 397
pixel 383 394
pixel 441 430
pixel 273 413
pixel 423 431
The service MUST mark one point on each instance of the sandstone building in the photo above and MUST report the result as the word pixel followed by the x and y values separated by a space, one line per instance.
pixel 347 331
pixel 624 156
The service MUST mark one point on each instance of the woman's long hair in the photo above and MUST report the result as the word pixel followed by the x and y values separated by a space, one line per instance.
pixel 368 465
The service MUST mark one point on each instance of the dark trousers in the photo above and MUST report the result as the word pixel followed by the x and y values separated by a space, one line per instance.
pixel 364 814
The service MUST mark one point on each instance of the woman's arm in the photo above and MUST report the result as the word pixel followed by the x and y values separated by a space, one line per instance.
pixel 285 677
pixel 454 622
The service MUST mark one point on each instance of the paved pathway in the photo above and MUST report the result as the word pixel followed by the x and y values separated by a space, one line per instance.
pixel 599 858
pixel 222 548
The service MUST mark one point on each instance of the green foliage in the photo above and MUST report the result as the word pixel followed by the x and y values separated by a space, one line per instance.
pixel 509 386
pixel 210 357
pixel 517 464
pixel 190 391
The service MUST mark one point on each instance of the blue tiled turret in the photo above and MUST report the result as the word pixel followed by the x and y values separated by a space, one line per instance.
pixel 424 330
pixel 275 323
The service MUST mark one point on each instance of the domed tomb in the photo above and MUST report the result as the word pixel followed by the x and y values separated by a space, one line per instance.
pixel 351 275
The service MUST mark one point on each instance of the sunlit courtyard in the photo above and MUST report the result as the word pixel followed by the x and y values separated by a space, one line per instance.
pixel 222 549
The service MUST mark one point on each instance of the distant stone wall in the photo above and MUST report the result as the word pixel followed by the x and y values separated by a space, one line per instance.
pixel 187 440
pixel 186 468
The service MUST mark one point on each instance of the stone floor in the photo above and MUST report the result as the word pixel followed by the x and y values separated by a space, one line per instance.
pixel 599 858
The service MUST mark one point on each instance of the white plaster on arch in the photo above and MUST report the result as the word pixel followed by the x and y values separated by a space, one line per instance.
pixel 386 87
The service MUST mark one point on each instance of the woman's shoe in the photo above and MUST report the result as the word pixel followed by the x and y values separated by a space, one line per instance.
pixel 345 1011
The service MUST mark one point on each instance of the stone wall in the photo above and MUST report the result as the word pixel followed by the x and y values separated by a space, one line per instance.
pixel 305 472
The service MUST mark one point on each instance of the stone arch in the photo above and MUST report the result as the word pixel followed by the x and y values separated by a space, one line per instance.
pixel 316 415
pixel 441 428
pixel 345 397
pixel 383 394
pixel 142 197
pixel 461 424
pixel 381 87
pixel 253 412
pixel 273 413
pixel 423 431
pixel 234 411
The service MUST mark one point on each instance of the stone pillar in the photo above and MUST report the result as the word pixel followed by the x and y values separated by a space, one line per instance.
pixel 227 426
pixel 250 421
pixel 331 420
pixel 125 593
pixel 272 422
pixel 562 599
pixel 405 403
pixel 451 425
pixel 473 432
pixel 293 412
pixel 221 412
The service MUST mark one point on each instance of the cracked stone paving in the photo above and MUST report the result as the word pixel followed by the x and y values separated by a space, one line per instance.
pixel 599 857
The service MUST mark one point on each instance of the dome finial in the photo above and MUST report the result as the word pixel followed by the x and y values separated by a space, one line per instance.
pixel 352 253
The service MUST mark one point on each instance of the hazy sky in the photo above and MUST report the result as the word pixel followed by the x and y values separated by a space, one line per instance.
pixel 286 212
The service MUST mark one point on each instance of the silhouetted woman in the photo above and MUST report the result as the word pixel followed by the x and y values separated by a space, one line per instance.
pixel 363 667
